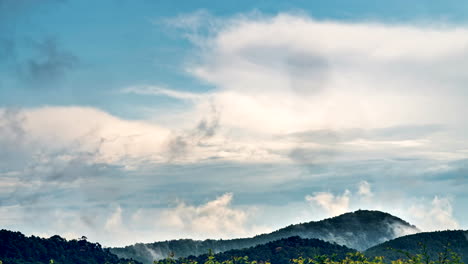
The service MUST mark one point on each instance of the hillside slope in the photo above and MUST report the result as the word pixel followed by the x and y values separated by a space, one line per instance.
pixel 16 248
pixel 281 251
pixel 435 243
pixel 359 230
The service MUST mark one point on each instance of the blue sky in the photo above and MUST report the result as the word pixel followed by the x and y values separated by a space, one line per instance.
pixel 137 121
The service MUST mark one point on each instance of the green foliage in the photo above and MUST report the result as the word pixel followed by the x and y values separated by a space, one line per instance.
pixel 446 257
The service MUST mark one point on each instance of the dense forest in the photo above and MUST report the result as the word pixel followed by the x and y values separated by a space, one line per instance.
pixel 359 230
pixel 431 242
pixel 280 251
pixel 351 258
pixel 16 248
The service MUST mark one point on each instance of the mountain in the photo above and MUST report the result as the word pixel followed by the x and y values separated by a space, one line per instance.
pixel 16 248
pixel 435 242
pixel 359 230
pixel 281 251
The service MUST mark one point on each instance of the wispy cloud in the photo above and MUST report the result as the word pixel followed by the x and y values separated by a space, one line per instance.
pixel 161 91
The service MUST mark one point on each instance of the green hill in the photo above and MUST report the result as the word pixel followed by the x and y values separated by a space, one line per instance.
pixel 360 230
pixel 435 242
pixel 16 248
pixel 281 251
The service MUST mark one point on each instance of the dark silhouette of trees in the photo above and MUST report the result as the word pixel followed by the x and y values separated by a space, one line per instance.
pixel 16 248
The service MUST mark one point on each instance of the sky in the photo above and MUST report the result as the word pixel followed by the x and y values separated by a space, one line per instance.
pixel 141 121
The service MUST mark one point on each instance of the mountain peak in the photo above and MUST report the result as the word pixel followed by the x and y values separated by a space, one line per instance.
pixel 359 230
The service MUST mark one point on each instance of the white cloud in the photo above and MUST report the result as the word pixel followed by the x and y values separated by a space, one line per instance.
pixel 114 225
pixel 215 219
pixel 365 189
pixel 156 90
pixel 276 75
pixel 333 205
pixel 274 78
pixel 438 215
pixel 293 73
pixel 285 74
pixel 52 134
pixel 427 216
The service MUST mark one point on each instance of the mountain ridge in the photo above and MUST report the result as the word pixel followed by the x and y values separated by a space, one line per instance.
pixel 358 230
pixel 434 242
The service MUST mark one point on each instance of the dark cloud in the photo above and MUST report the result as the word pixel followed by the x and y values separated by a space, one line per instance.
pixel 178 147
pixel 7 49
pixel 206 128
pixel 50 64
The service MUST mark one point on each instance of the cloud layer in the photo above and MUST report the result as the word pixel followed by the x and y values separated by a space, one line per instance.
pixel 297 108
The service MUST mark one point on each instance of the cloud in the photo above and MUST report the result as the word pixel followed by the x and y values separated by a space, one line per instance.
pixel 214 219
pixel 365 189
pixel 325 91
pixel 84 130
pixel 435 216
pixel 325 75
pixel 38 61
pixel 288 92
pixel 51 64
pixel 160 91
pixel 427 216
pixel 333 205
pixel 78 150
pixel 185 143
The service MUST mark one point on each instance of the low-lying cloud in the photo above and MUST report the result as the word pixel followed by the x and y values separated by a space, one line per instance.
pixel 427 216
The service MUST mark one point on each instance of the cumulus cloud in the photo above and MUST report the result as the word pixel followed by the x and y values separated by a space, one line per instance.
pixel 216 218
pixel 365 189
pixel 81 129
pixel 115 225
pixel 435 216
pixel 333 204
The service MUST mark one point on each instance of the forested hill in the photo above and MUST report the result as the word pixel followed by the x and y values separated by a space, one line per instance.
pixel 281 251
pixel 16 248
pixel 360 230
pixel 435 242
